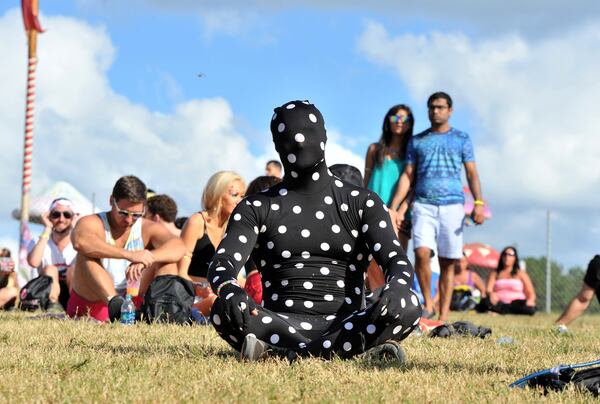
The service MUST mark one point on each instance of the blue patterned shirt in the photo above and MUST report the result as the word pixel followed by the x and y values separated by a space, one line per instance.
pixel 438 159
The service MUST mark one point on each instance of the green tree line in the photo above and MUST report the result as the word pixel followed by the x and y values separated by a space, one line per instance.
pixel 564 286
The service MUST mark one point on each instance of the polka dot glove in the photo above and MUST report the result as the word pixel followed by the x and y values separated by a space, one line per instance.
pixel 392 301
pixel 237 306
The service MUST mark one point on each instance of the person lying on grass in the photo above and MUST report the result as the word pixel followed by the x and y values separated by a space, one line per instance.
pixel 312 237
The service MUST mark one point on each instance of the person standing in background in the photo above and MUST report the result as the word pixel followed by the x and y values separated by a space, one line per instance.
pixel 434 162
pixel 385 160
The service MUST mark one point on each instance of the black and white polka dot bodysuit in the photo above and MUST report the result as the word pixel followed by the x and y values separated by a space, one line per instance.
pixel 312 237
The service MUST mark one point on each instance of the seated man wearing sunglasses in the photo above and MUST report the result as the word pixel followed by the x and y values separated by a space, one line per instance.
pixel 115 246
pixel 52 253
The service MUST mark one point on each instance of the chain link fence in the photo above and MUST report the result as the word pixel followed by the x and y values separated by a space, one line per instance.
pixel 565 283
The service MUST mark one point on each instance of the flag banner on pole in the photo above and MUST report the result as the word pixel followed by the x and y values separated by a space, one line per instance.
pixel 30 17
pixel 25 272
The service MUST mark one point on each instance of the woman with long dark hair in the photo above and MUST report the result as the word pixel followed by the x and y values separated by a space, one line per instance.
pixel 509 287
pixel 385 159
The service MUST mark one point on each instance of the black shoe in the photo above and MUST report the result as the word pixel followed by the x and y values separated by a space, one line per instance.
pixel 253 349
pixel 114 308
pixel 390 352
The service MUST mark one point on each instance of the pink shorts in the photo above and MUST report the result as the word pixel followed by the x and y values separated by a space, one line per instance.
pixel 80 307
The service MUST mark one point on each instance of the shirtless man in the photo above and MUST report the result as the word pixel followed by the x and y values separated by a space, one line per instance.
pixel 163 209
pixel 115 246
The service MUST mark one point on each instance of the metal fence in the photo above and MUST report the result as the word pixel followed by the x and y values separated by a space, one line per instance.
pixel 564 286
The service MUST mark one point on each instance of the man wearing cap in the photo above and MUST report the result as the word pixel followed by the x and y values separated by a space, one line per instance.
pixel 52 253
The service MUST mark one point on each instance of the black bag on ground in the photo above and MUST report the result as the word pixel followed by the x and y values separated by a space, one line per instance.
pixel 462 300
pixel 587 379
pixel 460 328
pixel 169 299
pixel 35 295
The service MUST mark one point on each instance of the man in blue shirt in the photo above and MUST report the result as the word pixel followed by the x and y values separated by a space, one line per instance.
pixel 434 161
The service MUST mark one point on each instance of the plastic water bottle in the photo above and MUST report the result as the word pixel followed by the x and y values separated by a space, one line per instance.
pixel 128 311
pixel 199 317
pixel 504 340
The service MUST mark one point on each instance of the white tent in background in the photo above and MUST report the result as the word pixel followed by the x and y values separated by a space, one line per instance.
pixel 61 189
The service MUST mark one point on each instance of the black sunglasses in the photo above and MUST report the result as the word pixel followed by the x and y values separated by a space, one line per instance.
pixel 56 214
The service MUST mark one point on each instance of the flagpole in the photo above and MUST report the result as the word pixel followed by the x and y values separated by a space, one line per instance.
pixel 29 115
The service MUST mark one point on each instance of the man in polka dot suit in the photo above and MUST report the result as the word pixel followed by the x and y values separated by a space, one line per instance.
pixel 312 237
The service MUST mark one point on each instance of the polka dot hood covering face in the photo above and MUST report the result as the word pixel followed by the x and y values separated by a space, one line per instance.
pixel 312 237
pixel 300 136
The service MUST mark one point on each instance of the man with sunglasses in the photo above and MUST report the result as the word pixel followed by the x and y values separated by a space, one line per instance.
pixel 116 246
pixel 53 253
pixel 434 162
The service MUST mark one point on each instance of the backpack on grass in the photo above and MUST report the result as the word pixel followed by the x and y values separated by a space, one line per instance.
pixel 35 295
pixel 560 377
pixel 169 299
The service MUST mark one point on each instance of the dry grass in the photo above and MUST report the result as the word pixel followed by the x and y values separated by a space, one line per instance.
pixel 52 360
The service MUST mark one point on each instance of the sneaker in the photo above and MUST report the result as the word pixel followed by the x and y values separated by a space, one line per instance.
pixel 254 349
pixel 562 329
pixel 390 351
pixel 55 307
pixel 114 308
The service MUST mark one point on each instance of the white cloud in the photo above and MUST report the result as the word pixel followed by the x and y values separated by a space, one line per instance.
pixel 534 103
pixel 89 135
pixel 336 153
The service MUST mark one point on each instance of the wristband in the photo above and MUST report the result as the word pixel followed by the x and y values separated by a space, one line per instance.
pixel 231 281
pixel 479 202
pixel 45 235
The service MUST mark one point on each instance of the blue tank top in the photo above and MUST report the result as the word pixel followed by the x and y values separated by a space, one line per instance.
pixel 384 178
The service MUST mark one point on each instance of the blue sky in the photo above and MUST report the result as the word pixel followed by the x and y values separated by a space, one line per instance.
pixel 119 92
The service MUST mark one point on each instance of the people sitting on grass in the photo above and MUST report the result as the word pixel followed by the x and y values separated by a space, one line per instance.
pixel 204 230
pixel 8 280
pixel 53 254
pixel 253 283
pixel 468 287
pixel 163 209
pixel 509 288
pixel 312 237
pixel 117 245
pixel 590 285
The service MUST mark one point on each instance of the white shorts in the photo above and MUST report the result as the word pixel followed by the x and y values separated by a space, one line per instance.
pixel 439 227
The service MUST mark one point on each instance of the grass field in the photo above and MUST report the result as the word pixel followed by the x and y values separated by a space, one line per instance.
pixel 54 360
